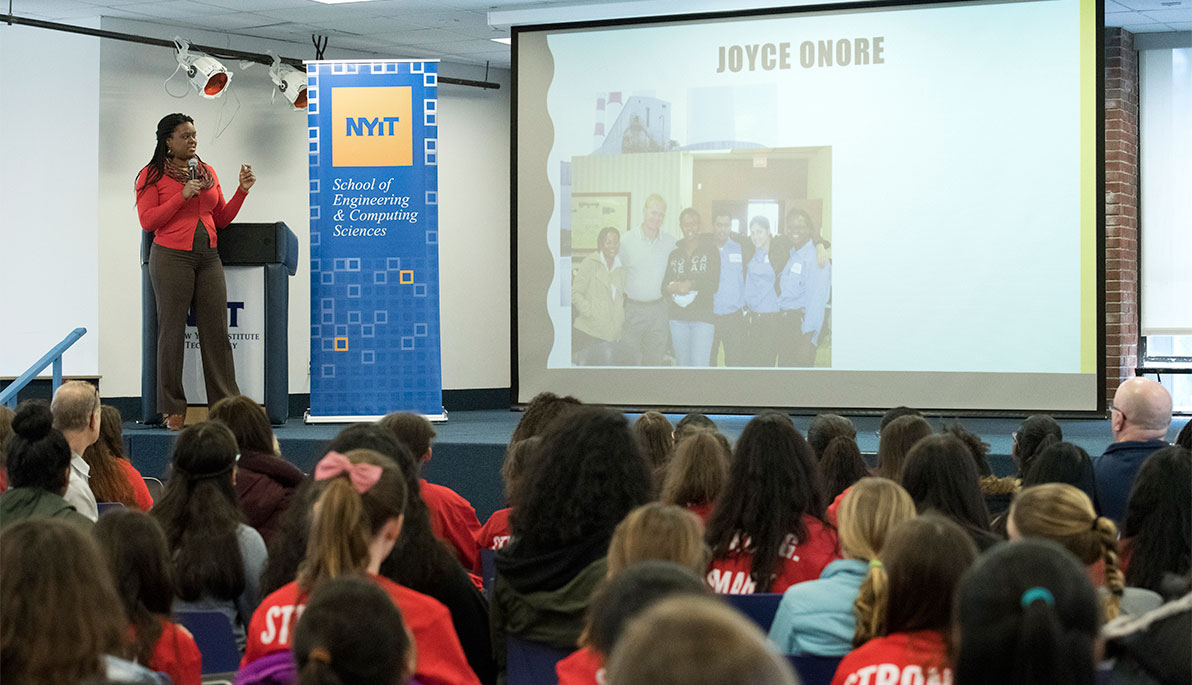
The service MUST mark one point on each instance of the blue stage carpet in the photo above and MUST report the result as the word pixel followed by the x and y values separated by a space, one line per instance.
pixel 470 446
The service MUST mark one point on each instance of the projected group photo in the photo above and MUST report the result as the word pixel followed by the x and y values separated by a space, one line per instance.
pixel 729 264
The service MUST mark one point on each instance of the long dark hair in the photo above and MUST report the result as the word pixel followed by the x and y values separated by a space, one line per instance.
pixel 940 475
pixel 107 480
pixel 1062 462
pixel 1035 434
pixel 897 439
pixel 541 411
pixel 841 465
pixel 157 164
pixel 136 552
pixel 773 482
pixel 588 476
pixel 1159 519
pixel 247 421
pixel 200 516
pixel 1026 614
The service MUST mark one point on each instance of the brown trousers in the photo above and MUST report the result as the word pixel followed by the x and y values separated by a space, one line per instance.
pixel 182 279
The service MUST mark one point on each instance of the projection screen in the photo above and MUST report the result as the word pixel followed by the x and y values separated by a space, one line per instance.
pixel 847 208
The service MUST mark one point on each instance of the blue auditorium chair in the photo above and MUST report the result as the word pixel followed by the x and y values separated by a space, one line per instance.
pixel 760 607
pixel 532 663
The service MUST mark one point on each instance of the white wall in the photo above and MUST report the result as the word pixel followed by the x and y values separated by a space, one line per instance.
pixel 49 151
pixel 473 181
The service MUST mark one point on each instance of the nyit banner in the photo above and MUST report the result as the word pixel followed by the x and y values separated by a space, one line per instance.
pixel 374 274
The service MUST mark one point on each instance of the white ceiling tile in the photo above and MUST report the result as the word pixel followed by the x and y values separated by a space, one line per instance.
pixel 315 13
pixel 258 5
pixel 233 22
pixel 1180 25
pixel 1154 4
pixel 1148 28
pixel 422 37
pixel 57 9
pixel 1111 7
pixel 1170 15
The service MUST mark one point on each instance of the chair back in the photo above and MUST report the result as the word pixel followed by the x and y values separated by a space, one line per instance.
pixel 760 607
pixel 532 663
pixel 213 634
pixel 488 570
pixel 155 486
pixel 815 670
pixel 105 507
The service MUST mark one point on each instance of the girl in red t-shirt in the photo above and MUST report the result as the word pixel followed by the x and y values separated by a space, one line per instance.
pixel 136 552
pixel 697 473
pixel 768 530
pixel 905 605
pixel 355 523
pixel 497 531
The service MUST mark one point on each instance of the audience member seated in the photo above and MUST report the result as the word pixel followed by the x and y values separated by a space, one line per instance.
pixel 694 641
pixel 816 617
pixel 265 483
pixel 656 440
pixel 901 428
pixel 1058 462
pixel 940 476
pixel 135 549
pixel 697 474
pixel 588 476
pixel 894 414
pixel 1035 434
pixel 355 523
pixel 840 466
pixel 76 411
pixel 767 531
pixel 351 633
pixel 452 518
pixel 1065 515
pixel 998 492
pixel 1026 614
pixel 1157 531
pixel 419 561
pixel 693 423
pixel 217 559
pixel 5 433
pixel 904 608
pixel 1139 417
pixel 658 532
pixel 113 477
pixel 39 467
pixel 542 409
pixel 626 595
pixel 62 620
pixel 825 428
pixel 1152 648
pixel 495 533
pixel 1184 437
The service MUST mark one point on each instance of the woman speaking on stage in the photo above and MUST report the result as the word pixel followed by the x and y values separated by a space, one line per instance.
pixel 180 201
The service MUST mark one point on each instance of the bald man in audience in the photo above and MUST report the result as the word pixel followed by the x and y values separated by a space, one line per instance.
pixel 76 414
pixel 1139 416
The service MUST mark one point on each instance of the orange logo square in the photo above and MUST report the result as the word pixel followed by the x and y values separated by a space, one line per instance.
pixel 372 126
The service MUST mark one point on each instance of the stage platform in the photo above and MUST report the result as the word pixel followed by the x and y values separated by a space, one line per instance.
pixel 470 445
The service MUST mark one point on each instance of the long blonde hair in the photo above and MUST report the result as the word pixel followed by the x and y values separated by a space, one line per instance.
pixel 1064 514
pixel 869 511
pixel 661 532
pixel 698 471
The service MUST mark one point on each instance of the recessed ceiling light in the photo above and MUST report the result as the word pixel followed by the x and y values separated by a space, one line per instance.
pixel 506 41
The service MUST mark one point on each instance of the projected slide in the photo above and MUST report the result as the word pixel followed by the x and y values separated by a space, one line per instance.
pixel 881 206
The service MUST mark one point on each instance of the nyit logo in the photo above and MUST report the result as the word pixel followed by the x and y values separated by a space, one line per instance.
pixel 372 126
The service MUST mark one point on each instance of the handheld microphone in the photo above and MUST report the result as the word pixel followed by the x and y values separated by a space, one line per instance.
pixel 194 168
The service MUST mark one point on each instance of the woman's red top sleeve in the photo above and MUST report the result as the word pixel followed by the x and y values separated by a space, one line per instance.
pixel 172 219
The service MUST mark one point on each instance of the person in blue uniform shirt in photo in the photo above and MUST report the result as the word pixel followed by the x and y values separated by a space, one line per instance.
pixel 728 304
pixel 692 272
pixel 763 318
pixel 804 287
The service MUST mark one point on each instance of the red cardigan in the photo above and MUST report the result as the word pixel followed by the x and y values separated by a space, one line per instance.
pixel 172 219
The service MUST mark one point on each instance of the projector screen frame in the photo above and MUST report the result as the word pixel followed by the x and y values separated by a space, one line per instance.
pixel 1099 260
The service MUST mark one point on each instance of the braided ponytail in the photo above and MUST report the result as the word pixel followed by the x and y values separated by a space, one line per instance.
pixel 1115 579
pixel 157 163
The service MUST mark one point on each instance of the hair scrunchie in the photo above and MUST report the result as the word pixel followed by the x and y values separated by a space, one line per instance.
pixel 1035 594
pixel 362 476
pixel 319 654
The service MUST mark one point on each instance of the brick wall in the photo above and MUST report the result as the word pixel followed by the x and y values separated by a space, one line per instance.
pixel 1121 207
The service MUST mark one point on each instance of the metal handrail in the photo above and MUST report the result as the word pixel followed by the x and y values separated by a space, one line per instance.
pixel 8 396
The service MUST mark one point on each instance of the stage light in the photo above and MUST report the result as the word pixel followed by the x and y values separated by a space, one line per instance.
pixel 206 74
pixel 290 82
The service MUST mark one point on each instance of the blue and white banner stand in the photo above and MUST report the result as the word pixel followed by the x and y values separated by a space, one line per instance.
pixel 374 275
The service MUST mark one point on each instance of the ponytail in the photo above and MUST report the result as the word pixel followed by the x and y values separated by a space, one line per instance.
pixel 871 603
pixel 1115 578
pixel 317 670
pixel 350 510
pixel 1039 637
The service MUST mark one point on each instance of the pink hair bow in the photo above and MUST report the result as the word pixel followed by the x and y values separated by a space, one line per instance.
pixel 363 476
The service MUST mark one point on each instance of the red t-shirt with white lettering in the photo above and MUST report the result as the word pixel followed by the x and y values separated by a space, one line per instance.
pixel 453 520
pixel 495 533
pixel 797 561
pixel 920 657
pixel 441 659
